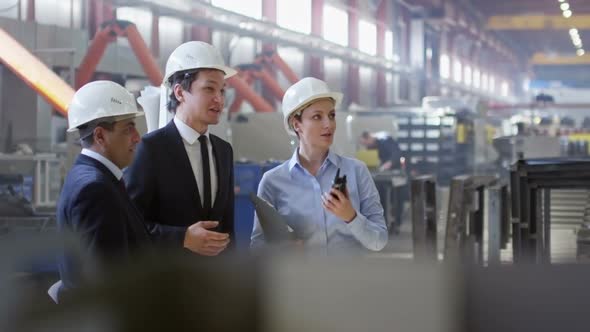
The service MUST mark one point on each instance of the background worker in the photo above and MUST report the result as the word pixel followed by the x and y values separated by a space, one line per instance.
pixel 389 151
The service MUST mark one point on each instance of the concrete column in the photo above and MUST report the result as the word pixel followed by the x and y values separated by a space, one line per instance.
pixel 417 59
pixel 352 86
pixel 433 42
pixel 155 40
pixel 382 24
pixel 201 33
pixel 316 63
pixel 405 83
pixel 30 10
pixel 269 13
pixel 99 11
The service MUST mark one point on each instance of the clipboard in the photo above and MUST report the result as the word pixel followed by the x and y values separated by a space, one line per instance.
pixel 273 225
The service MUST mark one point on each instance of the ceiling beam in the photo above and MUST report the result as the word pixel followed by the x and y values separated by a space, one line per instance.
pixel 533 7
pixel 546 59
pixel 538 22
pixel 202 13
pixel 532 106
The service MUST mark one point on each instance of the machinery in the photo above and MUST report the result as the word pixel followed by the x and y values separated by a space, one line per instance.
pixel 35 73
pixel 108 32
pixel 261 70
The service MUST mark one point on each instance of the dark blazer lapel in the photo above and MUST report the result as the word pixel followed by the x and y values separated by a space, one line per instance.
pixel 137 224
pixel 182 165
pixel 221 161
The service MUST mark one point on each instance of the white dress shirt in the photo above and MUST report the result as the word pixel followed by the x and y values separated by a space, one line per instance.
pixel 190 138
pixel 117 172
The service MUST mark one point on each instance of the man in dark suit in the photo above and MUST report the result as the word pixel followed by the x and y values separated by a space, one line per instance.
pixel 93 203
pixel 182 176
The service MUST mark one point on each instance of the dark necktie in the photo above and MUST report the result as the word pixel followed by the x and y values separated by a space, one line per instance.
pixel 122 186
pixel 206 175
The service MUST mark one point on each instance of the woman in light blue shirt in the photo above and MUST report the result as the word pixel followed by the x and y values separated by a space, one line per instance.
pixel 325 219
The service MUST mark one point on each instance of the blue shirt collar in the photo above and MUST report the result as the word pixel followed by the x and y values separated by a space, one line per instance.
pixel 332 158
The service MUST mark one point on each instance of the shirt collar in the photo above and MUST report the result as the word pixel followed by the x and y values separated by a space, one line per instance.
pixel 108 164
pixel 187 133
pixel 294 159
pixel 332 158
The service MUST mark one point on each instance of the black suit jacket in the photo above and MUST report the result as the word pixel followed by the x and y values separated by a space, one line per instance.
pixel 162 184
pixel 93 205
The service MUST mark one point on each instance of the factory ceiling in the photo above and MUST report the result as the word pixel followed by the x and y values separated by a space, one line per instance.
pixel 553 34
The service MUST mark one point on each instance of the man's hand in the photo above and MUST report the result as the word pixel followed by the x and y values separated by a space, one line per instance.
pixel 199 239
pixel 386 166
pixel 339 204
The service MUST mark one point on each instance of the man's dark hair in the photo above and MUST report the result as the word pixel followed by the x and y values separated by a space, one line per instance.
pixel 185 79
pixel 87 131
pixel 366 134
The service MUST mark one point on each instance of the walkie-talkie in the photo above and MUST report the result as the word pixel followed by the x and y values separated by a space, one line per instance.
pixel 339 182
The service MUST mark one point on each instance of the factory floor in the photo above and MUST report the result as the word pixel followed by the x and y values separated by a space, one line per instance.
pixel 400 243
pixel 564 230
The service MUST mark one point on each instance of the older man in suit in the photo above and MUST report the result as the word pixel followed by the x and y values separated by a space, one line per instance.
pixel 93 203
pixel 182 176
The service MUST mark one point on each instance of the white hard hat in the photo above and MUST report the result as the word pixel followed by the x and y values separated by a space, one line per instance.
pixel 100 99
pixel 301 94
pixel 195 55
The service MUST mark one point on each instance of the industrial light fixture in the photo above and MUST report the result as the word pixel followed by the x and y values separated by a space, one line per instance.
pixel 574 33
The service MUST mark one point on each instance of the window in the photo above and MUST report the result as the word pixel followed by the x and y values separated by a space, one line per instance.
pixel 251 8
pixel 445 66
pixel 10 9
pixel 336 25
pixel 390 90
pixel 141 17
pixel 56 12
pixel 333 73
pixel 171 32
pixel 389 45
pixel 467 78
pixel 457 71
pixel 476 78
pixel 368 97
pixel 504 89
pixel 526 84
pixel 367 37
pixel 294 15
pixel 295 58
